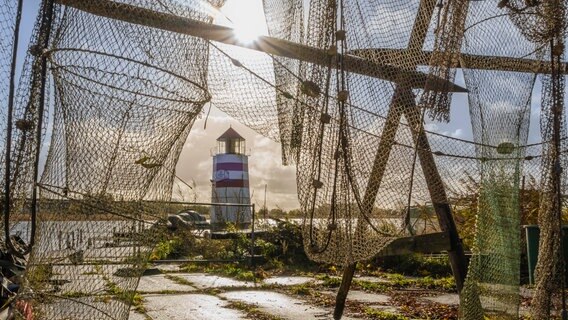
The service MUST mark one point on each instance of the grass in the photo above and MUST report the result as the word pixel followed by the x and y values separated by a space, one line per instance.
pixel 330 282
pixel 135 299
pixel 74 294
pixel 138 303
pixel 165 249
pixel 371 286
pixel 400 281
pixel 252 311
pixel 178 280
pixel 229 270
pixel 383 315
pixel 301 289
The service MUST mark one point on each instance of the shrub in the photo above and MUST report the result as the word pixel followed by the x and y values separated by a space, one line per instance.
pixel 383 315
pixel 415 265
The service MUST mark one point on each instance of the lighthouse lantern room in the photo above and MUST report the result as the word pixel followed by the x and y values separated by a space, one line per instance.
pixel 230 181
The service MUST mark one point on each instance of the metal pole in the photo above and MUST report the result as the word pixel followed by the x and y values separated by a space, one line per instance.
pixel 252 242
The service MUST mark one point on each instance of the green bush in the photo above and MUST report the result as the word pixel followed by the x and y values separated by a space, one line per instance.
pixel 287 244
pixel 415 265
pixel 383 315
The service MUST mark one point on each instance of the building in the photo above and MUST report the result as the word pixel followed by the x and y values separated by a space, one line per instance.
pixel 230 181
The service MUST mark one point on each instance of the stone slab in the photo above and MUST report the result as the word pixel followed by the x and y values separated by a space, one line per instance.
pixel 372 279
pixel 207 281
pixel 279 305
pixel 159 283
pixel 288 281
pixel 167 267
pixel 136 316
pixel 362 296
pixel 189 307
pixel 450 299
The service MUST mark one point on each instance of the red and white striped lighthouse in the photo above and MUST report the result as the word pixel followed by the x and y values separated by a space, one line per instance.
pixel 230 181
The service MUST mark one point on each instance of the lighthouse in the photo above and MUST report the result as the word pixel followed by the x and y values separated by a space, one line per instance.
pixel 230 181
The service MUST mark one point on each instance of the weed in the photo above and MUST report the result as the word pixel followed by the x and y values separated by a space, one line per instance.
pixel 301 289
pixel 178 280
pixel 74 294
pixel 330 282
pixel 371 286
pixel 138 303
pixel 252 311
pixel 383 315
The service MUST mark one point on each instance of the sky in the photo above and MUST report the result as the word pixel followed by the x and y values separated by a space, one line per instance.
pixel 266 170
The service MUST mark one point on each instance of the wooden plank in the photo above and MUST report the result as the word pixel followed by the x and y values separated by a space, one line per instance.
pixel 393 56
pixel 438 195
pixel 399 101
pixel 149 18
pixel 426 243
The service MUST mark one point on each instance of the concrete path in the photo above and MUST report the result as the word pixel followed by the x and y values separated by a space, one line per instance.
pixel 190 302
pixel 160 283
pixel 189 307
pixel 207 281
pixel 289 281
pixel 279 305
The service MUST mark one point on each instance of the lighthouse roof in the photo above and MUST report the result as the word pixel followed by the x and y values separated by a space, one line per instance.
pixel 230 134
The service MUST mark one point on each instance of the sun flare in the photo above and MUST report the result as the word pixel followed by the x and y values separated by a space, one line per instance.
pixel 246 17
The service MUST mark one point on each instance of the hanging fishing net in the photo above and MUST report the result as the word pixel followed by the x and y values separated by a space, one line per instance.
pixel 358 93
pixel 7 23
pixel 125 98
pixel 500 111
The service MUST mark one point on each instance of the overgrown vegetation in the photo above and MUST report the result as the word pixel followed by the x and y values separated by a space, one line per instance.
pixel 413 265
pixel 281 246
pixel 252 311
pixel 465 206
pixel 383 315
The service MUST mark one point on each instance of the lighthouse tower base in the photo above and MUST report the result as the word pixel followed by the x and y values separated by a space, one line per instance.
pixel 231 187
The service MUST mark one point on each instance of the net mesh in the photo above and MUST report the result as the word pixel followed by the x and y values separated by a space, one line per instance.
pixel 500 112
pixel 125 98
pixel 353 90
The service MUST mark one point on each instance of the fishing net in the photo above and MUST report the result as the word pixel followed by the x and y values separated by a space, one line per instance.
pixel 7 26
pixel 7 23
pixel 500 111
pixel 125 99
pixel 547 28
pixel 353 90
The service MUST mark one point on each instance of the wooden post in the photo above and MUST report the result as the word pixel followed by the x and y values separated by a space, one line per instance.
pixel 401 100
pixel 438 195
pixel 169 22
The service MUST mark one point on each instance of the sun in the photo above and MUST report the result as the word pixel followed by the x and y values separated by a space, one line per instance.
pixel 246 17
